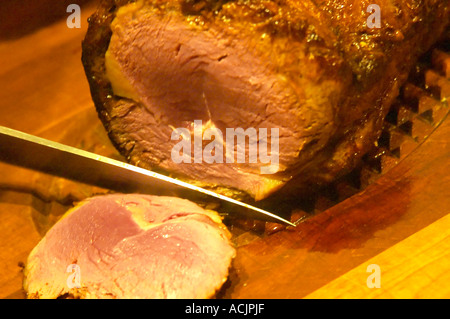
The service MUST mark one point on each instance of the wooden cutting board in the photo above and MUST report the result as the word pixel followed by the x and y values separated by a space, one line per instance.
pixel 394 233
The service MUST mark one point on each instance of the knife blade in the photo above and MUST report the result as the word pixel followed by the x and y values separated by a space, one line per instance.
pixel 30 151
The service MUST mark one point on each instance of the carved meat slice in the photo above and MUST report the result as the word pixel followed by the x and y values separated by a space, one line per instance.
pixel 131 246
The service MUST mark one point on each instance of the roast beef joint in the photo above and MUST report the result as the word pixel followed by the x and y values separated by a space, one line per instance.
pixel 314 71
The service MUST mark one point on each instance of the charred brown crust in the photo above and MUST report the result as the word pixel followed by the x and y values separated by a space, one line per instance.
pixel 94 47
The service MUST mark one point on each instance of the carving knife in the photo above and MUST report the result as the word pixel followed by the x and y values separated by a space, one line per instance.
pixel 22 149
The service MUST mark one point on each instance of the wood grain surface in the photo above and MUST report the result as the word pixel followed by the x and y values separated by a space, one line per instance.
pixel 416 267
pixel 400 222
